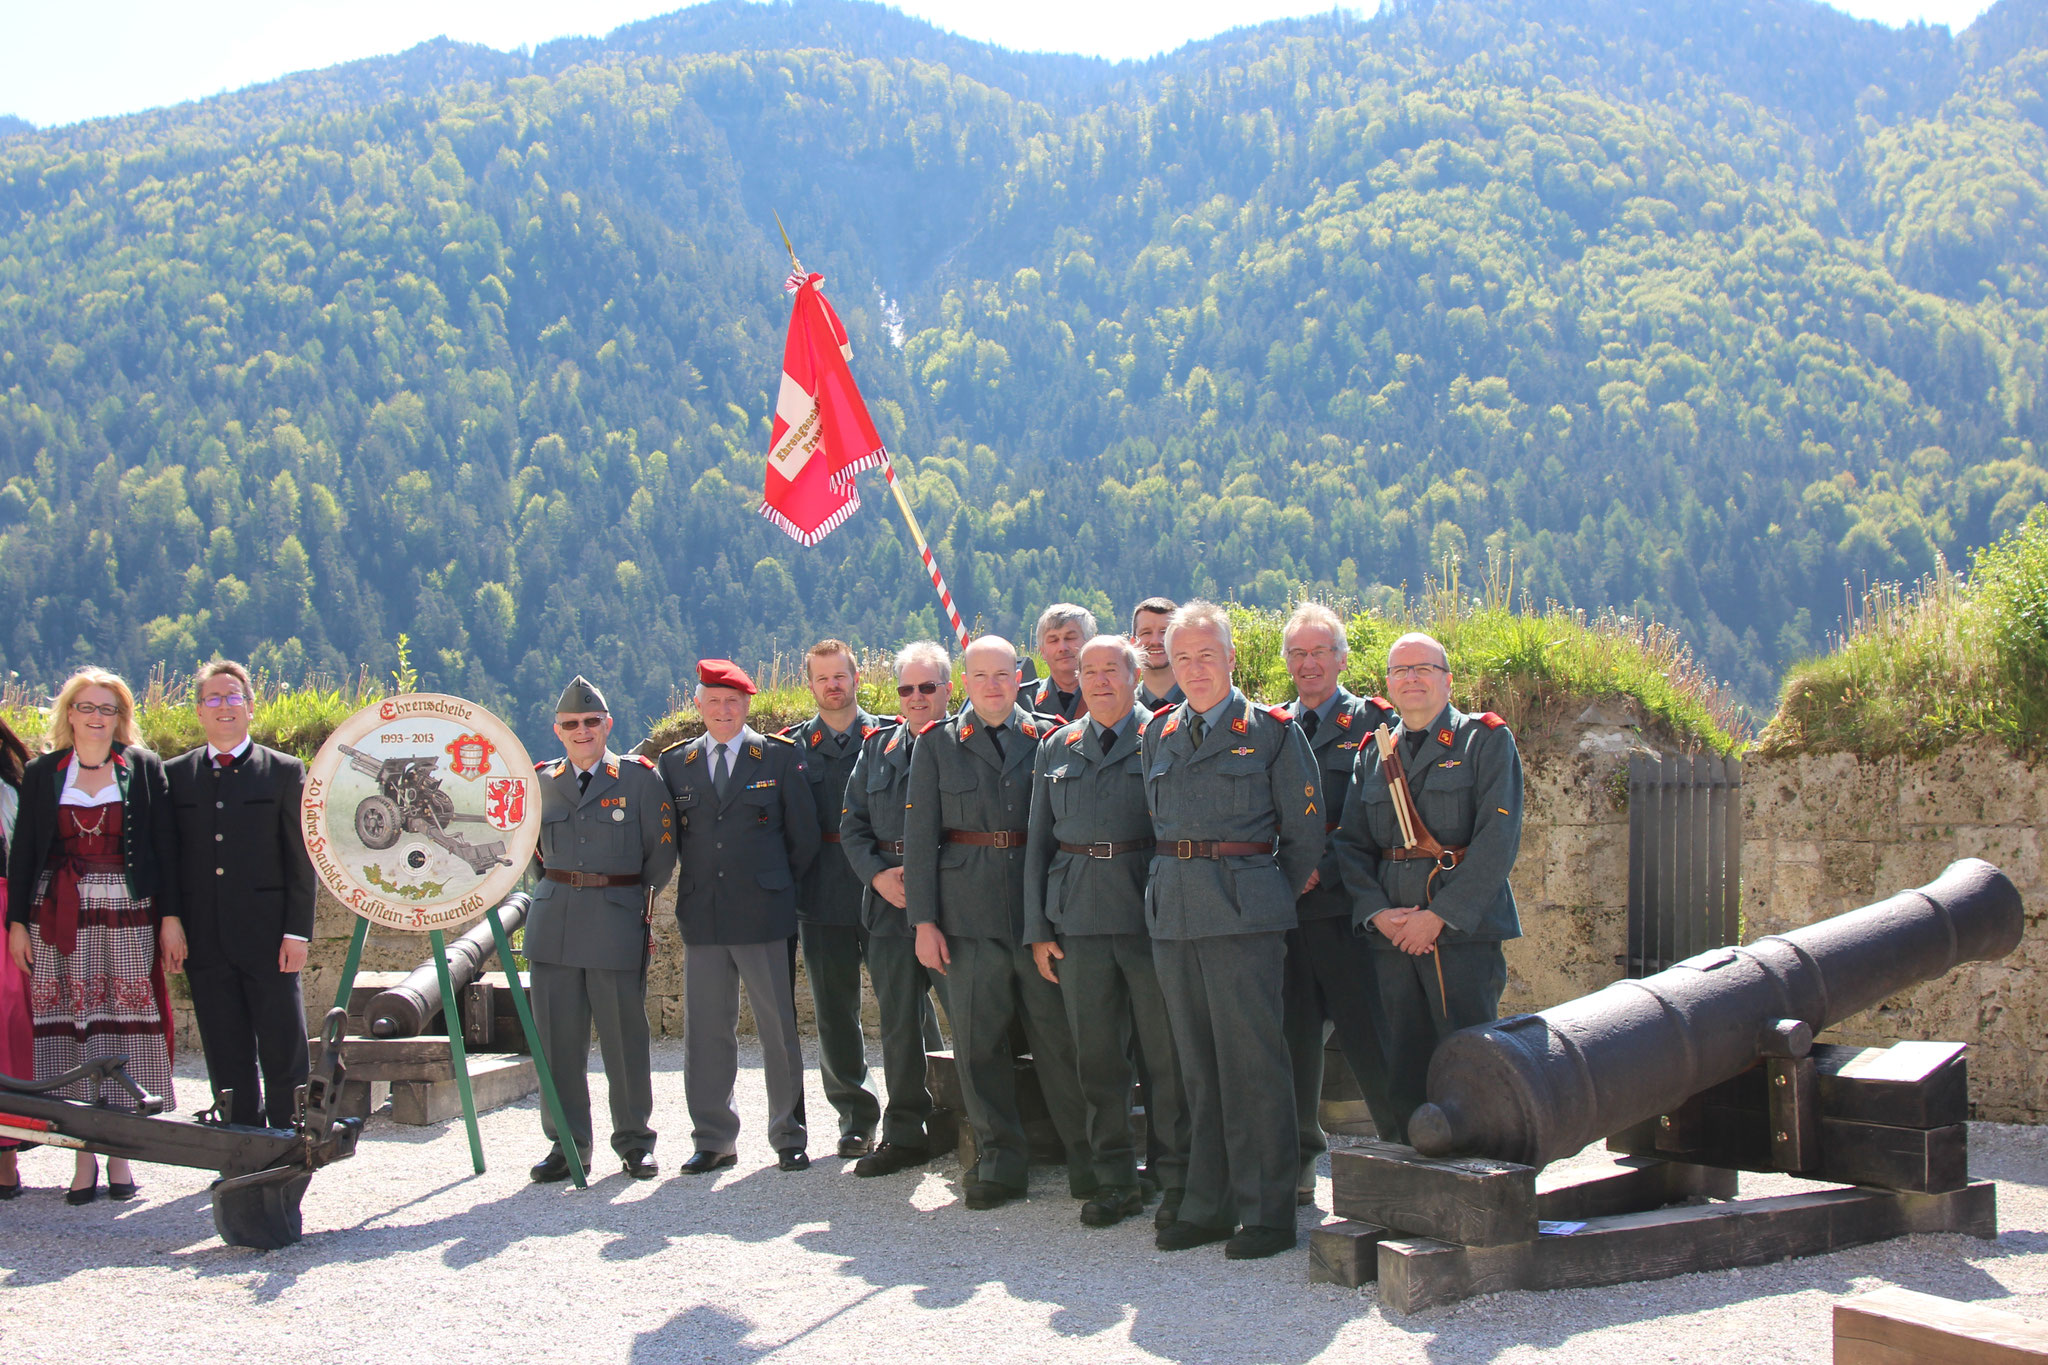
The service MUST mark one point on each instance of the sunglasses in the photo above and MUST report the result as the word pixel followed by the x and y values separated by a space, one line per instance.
pixel 87 708
pixel 230 699
pixel 587 723
pixel 923 689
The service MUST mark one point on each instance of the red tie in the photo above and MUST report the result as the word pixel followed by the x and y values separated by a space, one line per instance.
pixel 223 761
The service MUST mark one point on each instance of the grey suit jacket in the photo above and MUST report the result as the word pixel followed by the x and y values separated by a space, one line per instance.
pixel 873 816
pixel 959 782
pixel 739 859
pixel 621 825
pixel 831 893
pixel 1081 796
pixel 1467 780
pixel 1336 746
pixel 1253 779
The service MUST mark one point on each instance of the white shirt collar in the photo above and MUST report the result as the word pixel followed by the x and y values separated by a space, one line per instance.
pixel 240 749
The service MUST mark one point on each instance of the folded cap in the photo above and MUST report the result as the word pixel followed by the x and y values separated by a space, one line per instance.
pixel 725 673
pixel 580 698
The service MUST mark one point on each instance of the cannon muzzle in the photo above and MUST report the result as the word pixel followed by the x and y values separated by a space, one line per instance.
pixel 1536 1087
pixel 403 1010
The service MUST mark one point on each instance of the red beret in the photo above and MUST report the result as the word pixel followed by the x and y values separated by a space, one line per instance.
pixel 725 673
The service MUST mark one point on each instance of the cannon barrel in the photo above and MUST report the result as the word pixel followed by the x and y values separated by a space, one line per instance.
pixel 403 1010
pixel 1536 1087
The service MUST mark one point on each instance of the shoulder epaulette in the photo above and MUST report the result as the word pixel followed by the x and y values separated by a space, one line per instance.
pixel 788 729
pixel 931 725
pixel 1381 702
pixel 1281 714
pixel 1490 720
pixel 679 744
pixel 642 759
pixel 781 739
pixel 551 766
pixel 868 730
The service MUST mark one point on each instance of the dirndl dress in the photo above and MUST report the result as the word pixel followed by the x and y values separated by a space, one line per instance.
pixel 98 986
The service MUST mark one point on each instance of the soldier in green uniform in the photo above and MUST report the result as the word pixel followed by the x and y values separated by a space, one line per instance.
pixel 1434 925
pixel 607 841
pixel 1238 814
pixel 1062 629
pixel 746 832
pixel 829 904
pixel 1329 972
pixel 963 875
pixel 1085 864
pixel 871 833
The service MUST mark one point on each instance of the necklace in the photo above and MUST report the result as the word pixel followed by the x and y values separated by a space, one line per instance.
pixel 91 767
pixel 99 826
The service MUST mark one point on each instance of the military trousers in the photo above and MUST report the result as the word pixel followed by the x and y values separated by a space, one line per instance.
pixel 1331 982
pixel 902 998
pixel 1224 997
pixel 566 1002
pixel 991 984
pixel 1418 1014
pixel 712 975
pixel 1111 990
pixel 832 958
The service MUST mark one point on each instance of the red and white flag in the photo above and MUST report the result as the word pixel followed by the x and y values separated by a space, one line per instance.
pixel 823 435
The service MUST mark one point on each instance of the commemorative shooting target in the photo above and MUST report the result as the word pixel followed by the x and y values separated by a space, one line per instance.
pixel 421 811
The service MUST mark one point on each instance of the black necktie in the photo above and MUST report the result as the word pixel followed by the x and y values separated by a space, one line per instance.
pixel 1105 739
pixel 1195 730
pixel 1309 720
pixel 721 772
pixel 582 783
pixel 995 737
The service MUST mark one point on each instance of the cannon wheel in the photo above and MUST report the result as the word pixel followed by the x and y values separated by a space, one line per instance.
pixel 443 807
pixel 377 822
pixel 260 1211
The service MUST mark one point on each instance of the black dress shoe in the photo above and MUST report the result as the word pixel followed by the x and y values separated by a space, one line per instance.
pixel 1185 1236
pixel 792 1159
pixel 641 1165
pixel 890 1158
pixel 1254 1243
pixel 1304 1195
pixel 990 1194
pixel 13 1191
pixel 1111 1205
pixel 703 1163
pixel 86 1195
pixel 550 1168
pixel 122 1190
pixel 855 1144
pixel 1169 1210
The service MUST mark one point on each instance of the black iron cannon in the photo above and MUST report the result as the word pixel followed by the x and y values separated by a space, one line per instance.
pixel 263 1171
pixel 1536 1087
pixel 405 1009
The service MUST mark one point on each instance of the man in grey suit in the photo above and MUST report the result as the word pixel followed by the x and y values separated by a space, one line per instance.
pixel 746 831
pixel 1239 817
pixel 829 902
pixel 607 840
pixel 963 877
pixel 1329 969
pixel 871 833
pixel 1085 864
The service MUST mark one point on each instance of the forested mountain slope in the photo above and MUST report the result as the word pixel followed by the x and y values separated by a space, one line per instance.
pixel 1697 308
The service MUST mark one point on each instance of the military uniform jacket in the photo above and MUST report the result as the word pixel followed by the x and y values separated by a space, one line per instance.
pixel 1253 779
pixel 958 781
pixel 1339 739
pixel 244 879
pixel 1042 697
pixel 1467 781
pixel 620 825
pixel 1080 795
pixel 831 893
pixel 1174 697
pixel 739 860
pixel 872 816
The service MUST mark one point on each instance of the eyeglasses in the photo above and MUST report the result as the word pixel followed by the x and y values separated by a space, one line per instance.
pixel 87 708
pixel 1321 654
pixel 586 723
pixel 1404 671
pixel 229 699
pixel 923 689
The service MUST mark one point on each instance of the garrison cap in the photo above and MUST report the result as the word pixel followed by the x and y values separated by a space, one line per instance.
pixel 581 697
pixel 725 673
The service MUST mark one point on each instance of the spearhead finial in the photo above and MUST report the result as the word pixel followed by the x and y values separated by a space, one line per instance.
pixel 794 264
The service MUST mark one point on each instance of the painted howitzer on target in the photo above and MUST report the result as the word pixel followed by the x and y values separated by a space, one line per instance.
pixel 1537 1087
pixel 402 1011
pixel 263 1171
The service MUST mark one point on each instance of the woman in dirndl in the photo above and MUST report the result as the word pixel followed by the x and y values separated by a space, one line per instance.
pixel 92 910
pixel 17 1034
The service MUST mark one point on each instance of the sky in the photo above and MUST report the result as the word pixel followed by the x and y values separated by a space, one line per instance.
pixel 64 62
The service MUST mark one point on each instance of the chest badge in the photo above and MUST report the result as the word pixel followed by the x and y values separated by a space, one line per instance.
pixel 1451 763
pixel 1242 751
pixel 618 814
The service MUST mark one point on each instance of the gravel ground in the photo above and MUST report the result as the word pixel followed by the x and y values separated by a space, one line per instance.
pixel 410 1257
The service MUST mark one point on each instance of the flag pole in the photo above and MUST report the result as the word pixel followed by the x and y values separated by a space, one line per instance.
pixel 924 550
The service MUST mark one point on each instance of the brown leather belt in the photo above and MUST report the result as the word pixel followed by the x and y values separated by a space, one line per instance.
pixel 1450 858
pixel 1203 848
pixel 593 878
pixel 894 846
pixel 991 838
pixel 829 838
pixel 1108 850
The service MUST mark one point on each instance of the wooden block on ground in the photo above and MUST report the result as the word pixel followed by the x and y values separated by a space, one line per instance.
pixel 1907 1085
pixel 942 1131
pixel 1418 1273
pixel 942 1078
pixel 1468 1200
pixel 493 1081
pixel 1345 1253
pixel 1900 1327
pixel 360 1099
pixel 393 1059
pixel 1928 1160
pixel 1631 1185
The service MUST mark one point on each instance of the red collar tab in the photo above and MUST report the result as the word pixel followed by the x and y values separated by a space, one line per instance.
pixel 1075 738
pixel 1237 725
pixel 966 731
pixel 1343 720
pixel 1172 724
pixel 1444 737
pixel 1030 730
